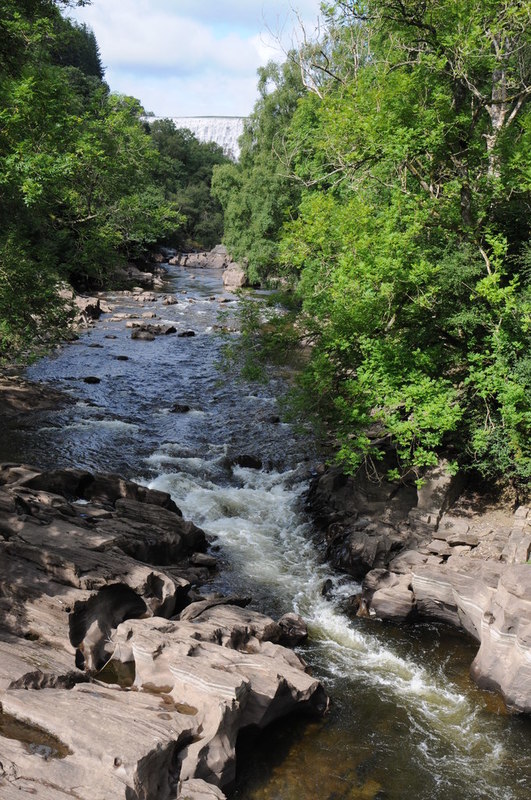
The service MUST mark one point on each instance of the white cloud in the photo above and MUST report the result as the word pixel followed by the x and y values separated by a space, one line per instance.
pixel 210 94
pixel 190 57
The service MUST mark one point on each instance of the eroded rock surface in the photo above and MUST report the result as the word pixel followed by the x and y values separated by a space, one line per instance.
pixel 438 554
pixel 115 681
pixel 217 258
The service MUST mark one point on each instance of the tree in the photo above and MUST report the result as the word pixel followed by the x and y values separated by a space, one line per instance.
pixel 78 192
pixel 75 45
pixel 410 240
pixel 412 233
pixel 259 193
pixel 185 170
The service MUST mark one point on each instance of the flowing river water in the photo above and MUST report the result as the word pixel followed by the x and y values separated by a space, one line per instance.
pixel 405 719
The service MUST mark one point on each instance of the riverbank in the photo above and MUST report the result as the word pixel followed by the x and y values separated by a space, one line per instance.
pixel 103 627
pixel 443 553
pixel 103 632
pixel 161 414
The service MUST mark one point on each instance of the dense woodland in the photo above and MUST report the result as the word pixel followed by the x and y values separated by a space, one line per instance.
pixel 384 179
pixel 85 185
pixel 386 176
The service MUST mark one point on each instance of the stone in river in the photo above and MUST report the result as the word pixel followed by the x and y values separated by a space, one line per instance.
pixel 248 461
pixel 143 336
pixel 92 379
pixel 186 333
pixel 180 408
pixel 234 277
pixel 294 629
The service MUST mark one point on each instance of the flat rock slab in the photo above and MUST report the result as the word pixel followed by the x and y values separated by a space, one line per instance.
pixel 92 727
pixel 19 396
pixel 89 591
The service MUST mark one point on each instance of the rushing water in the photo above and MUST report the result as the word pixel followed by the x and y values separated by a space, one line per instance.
pixel 405 719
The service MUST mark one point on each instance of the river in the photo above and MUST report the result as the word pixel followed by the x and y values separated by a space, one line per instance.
pixel 405 719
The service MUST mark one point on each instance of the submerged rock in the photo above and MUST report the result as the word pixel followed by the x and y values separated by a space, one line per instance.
pixel 180 408
pixel 18 396
pixel 246 460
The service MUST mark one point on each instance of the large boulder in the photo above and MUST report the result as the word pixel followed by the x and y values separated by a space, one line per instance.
pixel 217 258
pixel 366 521
pixel 234 277
pixel 222 669
pixel 137 277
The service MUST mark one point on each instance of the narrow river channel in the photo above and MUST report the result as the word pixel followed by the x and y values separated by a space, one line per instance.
pixel 405 721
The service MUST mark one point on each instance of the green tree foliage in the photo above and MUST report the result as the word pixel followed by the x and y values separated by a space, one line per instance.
pixel 411 236
pixel 258 195
pixel 78 187
pixel 184 169
pixel 75 45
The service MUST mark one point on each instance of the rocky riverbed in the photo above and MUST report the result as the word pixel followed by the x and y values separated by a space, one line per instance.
pixel 442 554
pixel 117 677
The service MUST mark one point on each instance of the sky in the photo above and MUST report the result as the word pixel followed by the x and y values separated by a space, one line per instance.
pixel 193 57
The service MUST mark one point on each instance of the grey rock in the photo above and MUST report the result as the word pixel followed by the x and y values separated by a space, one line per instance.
pixel 234 277
pixel 294 629
pixel 142 336
pixel 80 601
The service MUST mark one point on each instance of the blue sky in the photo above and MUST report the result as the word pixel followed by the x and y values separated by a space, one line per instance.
pixel 193 57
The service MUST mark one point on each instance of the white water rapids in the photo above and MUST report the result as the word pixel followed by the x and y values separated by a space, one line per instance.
pixel 267 541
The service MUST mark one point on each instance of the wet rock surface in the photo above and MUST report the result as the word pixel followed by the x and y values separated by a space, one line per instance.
pixel 115 680
pixel 437 555
pixel 18 396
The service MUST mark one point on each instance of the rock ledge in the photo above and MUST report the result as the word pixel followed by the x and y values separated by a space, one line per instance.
pixel 116 678
pixel 438 554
